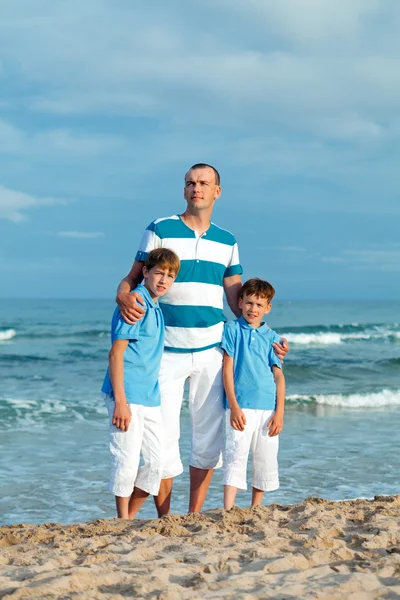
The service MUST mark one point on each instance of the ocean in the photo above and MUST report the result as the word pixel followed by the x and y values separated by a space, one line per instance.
pixel 342 423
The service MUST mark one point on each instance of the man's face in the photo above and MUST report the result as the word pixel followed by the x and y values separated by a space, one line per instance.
pixel 254 308
pixel 201 189
pixel 158 280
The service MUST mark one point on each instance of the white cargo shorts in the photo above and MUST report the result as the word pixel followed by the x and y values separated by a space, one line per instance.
pixel 264 450
pixel 143 439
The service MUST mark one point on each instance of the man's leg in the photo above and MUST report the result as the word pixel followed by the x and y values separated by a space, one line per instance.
pixel 200 480
pixel 175 369
pixel 206 416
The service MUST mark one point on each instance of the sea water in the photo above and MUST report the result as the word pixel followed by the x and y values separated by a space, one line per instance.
pixel 342 425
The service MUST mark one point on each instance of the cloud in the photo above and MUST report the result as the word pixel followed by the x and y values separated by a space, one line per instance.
pixel 13 204
pixel 327 68
pixel 81 234
pixel 374 259
pixel 55 144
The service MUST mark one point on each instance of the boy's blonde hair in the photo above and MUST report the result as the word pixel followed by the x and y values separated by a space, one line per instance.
pixel 163 258
pixel 257 287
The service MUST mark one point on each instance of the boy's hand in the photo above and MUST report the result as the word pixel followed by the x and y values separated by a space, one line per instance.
pixel 130 306
pixel 121 416
pixel 275 425
pixel 238 420
pixel 281 349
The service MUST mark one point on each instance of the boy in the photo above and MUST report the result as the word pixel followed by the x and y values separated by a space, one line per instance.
pixel 255 392
pixel 131 390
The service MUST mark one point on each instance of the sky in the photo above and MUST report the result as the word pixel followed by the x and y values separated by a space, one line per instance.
pixel 105 104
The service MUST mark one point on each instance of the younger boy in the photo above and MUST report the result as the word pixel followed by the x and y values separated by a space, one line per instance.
pixel 131 390
pixel 255 392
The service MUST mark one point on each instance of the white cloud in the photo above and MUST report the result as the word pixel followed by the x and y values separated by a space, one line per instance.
pixel 13 204
pixel 81 234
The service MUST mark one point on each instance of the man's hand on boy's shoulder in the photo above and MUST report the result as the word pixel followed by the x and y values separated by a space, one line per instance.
pixel 129 308
pixel 281 349
pixel 238 419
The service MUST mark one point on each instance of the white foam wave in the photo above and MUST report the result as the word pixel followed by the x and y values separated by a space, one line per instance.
pixel 330 338
pixel 7 334
pixel 369 400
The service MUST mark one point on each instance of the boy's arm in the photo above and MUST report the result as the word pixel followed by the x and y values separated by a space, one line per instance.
pixel 275 424
pixel 238 420
pixel 122 414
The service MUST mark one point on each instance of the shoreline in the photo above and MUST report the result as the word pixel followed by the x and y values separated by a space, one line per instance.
pixel 317 549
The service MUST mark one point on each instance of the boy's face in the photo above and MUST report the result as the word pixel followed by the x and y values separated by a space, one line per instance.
pixel 254 308
pixel 158 280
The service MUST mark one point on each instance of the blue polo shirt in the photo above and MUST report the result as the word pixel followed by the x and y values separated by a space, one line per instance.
pixel 142 356
pixel 254 357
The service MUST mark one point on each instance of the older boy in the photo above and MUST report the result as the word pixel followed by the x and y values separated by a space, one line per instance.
pixel 132 393
pixel 255 392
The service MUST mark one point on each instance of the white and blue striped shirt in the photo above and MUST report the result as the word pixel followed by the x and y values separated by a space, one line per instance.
pixel 192 308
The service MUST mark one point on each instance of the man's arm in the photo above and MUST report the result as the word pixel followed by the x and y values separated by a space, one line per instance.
pixel 232 287
pixel 122 414
pixel 238 420
pixel 275 424
pixel 129 308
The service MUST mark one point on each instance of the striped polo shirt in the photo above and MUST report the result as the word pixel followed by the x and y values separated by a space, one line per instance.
pixel 192 307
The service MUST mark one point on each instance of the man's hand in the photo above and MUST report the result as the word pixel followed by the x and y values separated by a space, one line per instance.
pixel 280 349
pixel 275 424
pixel 238 420
pixel 121 416
pixel 129 308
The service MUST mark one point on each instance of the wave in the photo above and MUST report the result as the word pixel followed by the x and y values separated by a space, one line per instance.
pixel 23 413
pixel 366 400
pixel 7 334
pixel 16 359
pixel 329 338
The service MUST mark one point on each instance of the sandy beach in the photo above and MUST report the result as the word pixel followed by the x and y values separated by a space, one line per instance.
pixel 317 549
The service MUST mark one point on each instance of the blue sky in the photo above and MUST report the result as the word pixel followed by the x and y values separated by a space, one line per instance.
pixel 105 104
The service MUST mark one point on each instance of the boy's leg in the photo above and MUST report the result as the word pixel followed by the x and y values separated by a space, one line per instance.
pixel 125 456
pixel 175 369
pixel 236 454
pixel 122 504
pixel 256 496
pixel 265 458
pixel 229 496
pixel 207 417
pixel 149 474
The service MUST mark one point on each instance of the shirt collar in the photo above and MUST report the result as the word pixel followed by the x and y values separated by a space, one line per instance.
pixel 141 289
pixel 243 323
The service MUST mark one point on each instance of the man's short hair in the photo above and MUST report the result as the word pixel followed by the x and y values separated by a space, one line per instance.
pixel 163 258
pixel 257 287
pixel 206 166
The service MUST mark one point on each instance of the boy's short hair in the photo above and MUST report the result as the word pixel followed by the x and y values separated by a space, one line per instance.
pixel 163 258
pixel 257 287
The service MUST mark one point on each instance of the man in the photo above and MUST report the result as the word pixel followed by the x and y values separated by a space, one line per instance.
pixel 194 324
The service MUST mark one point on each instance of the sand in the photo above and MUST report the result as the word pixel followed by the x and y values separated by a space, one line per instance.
pixel 318 549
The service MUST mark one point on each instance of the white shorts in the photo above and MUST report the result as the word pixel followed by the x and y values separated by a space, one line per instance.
pixel 144 437
pixel 264 452
pixel 206 406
